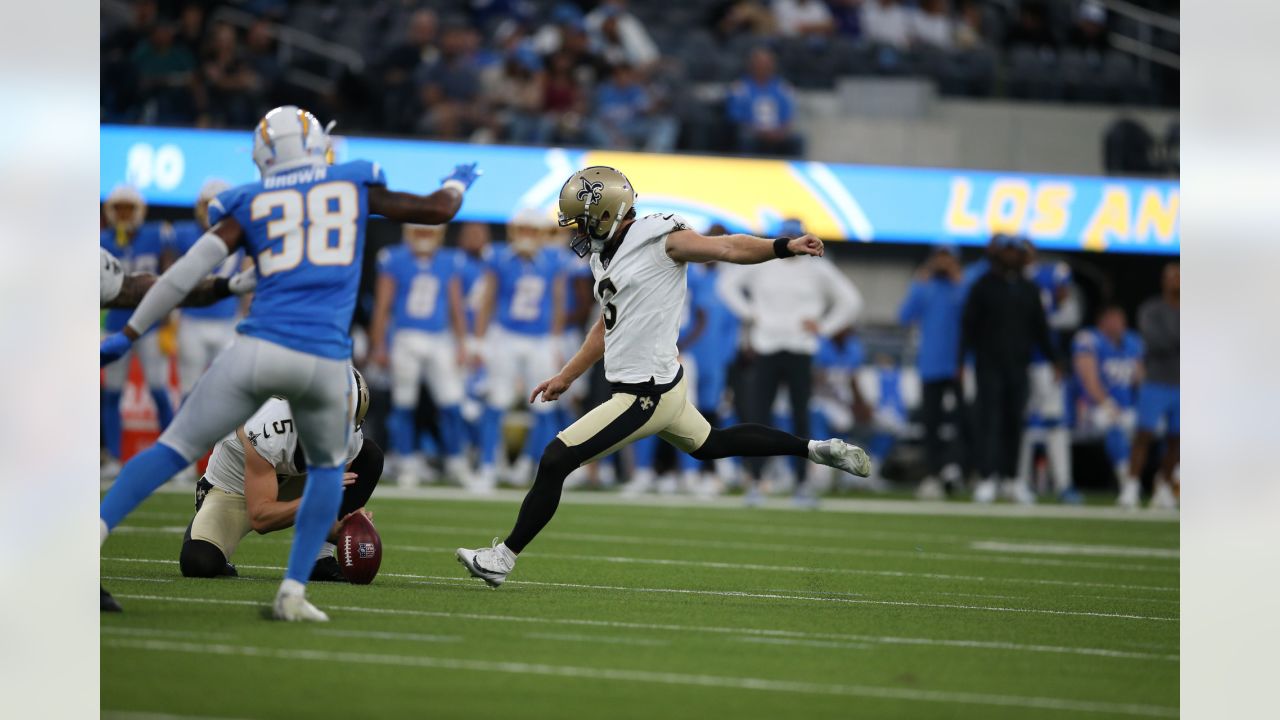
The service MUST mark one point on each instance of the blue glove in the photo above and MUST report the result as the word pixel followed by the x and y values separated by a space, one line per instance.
pixel 113 347
pixel 463 175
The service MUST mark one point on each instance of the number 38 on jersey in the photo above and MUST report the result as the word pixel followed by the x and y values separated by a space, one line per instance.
pixel 319 224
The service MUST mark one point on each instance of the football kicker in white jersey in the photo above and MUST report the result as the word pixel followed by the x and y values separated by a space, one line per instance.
pixel 639 268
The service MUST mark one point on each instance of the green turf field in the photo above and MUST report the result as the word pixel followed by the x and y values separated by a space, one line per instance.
pixel 663 612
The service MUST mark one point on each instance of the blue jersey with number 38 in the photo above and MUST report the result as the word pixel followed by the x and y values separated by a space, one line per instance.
pixel 304 229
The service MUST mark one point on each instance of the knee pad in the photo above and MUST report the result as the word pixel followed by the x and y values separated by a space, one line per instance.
pixel 710 448
pixel 558 460
pixel 201 559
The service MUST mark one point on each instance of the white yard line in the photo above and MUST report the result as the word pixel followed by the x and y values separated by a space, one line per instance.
pixel 810 598
pixel 743 546
pixel 749 566
pixel 376 635
pixel 606 639
pixel 135 578
pixel 711 629
pixel 448 513
pixel 830 644
pixel 143 715
pixel 808 549
pixel 833 505
pixel 1073 549
pixel 642 676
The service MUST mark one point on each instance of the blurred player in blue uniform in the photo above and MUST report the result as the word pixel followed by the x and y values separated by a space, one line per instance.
pixel 419 301
pixel 203 332
pixel 303 224
pixel 476 254
pixel 1108 368
pixel 522 316
pixel 1047 404
pixel 141 247
pixel 710 354
pixel 579 310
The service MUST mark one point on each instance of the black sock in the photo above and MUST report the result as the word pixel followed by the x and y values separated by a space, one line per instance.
pixel 544 497
pixel 751 440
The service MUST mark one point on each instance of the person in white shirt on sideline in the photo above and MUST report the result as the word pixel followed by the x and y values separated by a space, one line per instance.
pixel 788 306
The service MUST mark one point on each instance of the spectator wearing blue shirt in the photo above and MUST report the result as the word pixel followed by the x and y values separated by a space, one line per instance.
pixel 626 116
pixel 450 87
pixel 935 302
pixel 762 107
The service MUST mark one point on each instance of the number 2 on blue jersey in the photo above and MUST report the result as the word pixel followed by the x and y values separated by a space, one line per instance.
pixel 327 208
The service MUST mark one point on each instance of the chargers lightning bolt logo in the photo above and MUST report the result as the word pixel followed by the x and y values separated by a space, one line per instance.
pixel 590 190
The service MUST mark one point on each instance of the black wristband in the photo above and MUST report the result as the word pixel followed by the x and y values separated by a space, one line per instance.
pixel 780 248
pixel 222 288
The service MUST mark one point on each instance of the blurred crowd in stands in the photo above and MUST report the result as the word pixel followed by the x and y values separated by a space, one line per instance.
pixel 713 75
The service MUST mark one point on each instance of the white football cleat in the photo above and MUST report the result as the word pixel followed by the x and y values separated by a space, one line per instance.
pixel 931 489
pixel 293 607
pixel 641 482
pixel 1020 492
pixel 491 564
pixel 1163 498
pixel 1130 492
pixel 841 455
pixel 985 491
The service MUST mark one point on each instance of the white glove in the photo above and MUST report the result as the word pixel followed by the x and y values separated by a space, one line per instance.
pixel 243 282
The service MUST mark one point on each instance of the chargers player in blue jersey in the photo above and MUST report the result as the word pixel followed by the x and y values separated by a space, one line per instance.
pixel 579 305
pixel 303 224
pixel 419 301
pixel 140 247
pixel 476 252
pixel 1108 368
pixel 203 332
pixel 1047 403
pixel 523 313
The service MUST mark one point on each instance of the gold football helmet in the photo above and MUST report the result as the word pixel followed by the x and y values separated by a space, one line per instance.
pixel 596 200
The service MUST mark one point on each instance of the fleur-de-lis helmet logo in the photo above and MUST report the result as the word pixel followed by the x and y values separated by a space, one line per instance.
pixel 590 190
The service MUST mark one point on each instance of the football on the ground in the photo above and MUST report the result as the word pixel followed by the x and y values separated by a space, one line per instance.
pixel 359 549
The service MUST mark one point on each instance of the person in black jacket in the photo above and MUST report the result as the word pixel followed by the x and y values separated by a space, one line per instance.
pixel 1003 320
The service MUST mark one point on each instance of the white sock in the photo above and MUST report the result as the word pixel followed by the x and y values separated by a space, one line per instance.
pixel 506 551
pixel 326 551
pixel 1058 446
pixel 292 587
pixel 102 532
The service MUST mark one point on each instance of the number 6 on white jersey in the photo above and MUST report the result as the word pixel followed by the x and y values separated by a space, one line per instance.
pixel 331 206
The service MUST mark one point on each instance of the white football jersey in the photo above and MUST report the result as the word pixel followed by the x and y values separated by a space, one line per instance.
pixel 112 277
pixel 642 295
pixel 272 433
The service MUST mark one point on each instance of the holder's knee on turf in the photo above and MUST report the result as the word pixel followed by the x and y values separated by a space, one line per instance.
pixel 201 559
